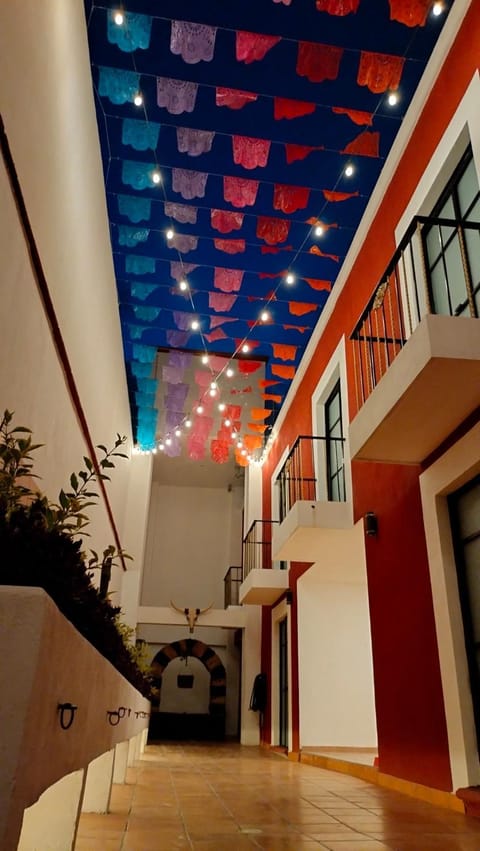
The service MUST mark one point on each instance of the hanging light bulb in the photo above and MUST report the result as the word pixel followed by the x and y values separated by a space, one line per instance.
pixel 222 406
pixel 319 230
pixel 156 177
pixel 205 359
pixel 118 18
pixel 228 423
pixel 178 432
pixel 154 450
pixel 290 279
pixel 264 316
pixel 229 372
pixel 183 286
pixel 161 447
pixel 213 385
pixel 244 451
pixel 239 444
pixel 199 409
pixel 195 325
pixel 245 348
pixel 138 99
pixel 437 9
pixel 170 234
pixel 233 435
pixel 212 392
pixel 168 441
pixel 188 423
pixel 349 170
pixel 392 99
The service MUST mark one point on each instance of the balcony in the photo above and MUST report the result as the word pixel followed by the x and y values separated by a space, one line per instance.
pixel 315 518
pixel 263 582
pixel 232 581
pixel 416 348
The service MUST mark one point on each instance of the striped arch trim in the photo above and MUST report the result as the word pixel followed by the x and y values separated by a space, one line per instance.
pixel 190 647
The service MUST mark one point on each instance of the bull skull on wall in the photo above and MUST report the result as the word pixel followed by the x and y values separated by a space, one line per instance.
pixel 191 615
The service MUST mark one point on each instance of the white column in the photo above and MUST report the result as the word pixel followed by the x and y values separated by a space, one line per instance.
pixel 98 786
pixel 251 656
pixel 52 821
pixel 144 741
pixel 120 762
pixel 131 751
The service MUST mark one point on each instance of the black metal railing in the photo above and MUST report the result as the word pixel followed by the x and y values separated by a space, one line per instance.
pixel 257 546
pixel 404 295
pixel 314 469
pixel 232 581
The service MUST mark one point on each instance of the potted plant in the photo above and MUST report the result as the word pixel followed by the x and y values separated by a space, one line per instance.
pixel 41 544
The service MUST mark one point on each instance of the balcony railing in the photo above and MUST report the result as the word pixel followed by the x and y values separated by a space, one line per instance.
pixel 314 469
pixel 404 295
pixel 232 582
pixel 257 546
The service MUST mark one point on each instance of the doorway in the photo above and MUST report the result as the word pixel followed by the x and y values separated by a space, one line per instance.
pixel 283 683
pixel 464 507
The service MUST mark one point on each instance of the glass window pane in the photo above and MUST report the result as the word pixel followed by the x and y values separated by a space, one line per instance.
pixel 469 513
pixel 467 187
pixel 472 576
pixel 456 277
pixel 472 240
pixel 439 290
pixel 474 214
pixel 433 244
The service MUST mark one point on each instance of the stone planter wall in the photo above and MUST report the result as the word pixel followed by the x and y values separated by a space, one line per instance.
pixel 44 661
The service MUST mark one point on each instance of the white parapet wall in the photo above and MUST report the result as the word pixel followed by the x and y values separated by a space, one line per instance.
pixel 46 662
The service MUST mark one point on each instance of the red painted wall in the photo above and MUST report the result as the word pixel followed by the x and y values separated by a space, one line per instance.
pixel 410 714
pixel 411 726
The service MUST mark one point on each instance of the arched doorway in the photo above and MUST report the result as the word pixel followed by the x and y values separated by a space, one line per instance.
pixel 184 725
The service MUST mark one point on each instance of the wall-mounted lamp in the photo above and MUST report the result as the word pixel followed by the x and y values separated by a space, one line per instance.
pixel 371 524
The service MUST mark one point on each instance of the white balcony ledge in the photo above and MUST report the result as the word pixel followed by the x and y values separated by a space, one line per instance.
pixel 263 587
pixel 314 531
pixel 430 388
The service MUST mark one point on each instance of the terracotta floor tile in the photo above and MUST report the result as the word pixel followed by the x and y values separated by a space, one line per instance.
pixel 209 797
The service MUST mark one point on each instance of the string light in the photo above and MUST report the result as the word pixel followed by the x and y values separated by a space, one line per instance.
pixel 437 9
pixel 183 286
pixel 170 234
pixel 161 447
pixel 392 99
pixel 178 432
pixel 222 406
pixel 205 359
pixel 229 373
pixel 228 423
pixel 349 170
pixel 199 409
pixel 195 325
pixel 138 99
pixel 156 177
pixel 290 279
pixel 264 316
pixel 188 423
pixel 319 230
pixel 168 441
pixel 245 348
pixel 118 18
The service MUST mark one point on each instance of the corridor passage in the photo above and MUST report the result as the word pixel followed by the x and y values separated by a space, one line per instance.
pixel 232 798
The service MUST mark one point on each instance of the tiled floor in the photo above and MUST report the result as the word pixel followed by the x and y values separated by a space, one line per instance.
pixel 230 798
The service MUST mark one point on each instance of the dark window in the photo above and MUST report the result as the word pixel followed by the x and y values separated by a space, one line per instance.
pixel 465 518
pixel 452 245
pixel 334 446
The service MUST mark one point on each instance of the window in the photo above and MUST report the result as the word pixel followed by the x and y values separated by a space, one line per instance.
pixel 334 446
pixel 452 245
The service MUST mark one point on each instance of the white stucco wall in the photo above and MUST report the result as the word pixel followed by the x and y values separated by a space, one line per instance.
pixel 335 663
pixel 189 545
pixel 49 116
